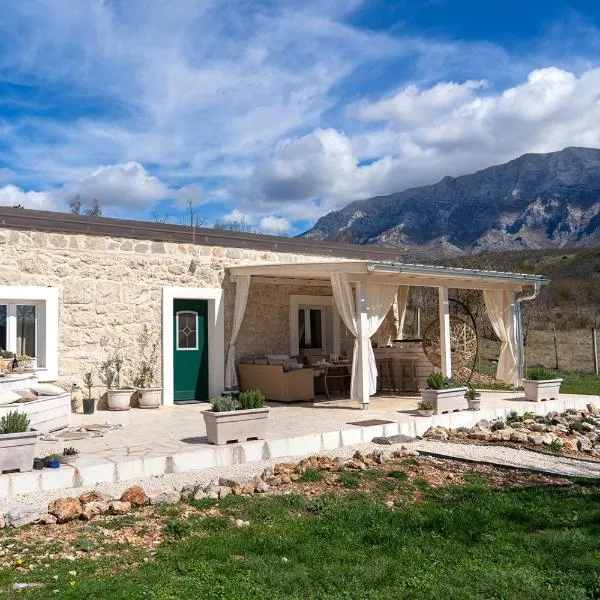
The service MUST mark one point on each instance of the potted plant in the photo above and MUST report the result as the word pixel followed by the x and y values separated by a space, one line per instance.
pixel 17 442
pixel 541 384
pixel 425 408
pixel 89 402
pixel 444 394
pixel 232 420
pixel 119 398
pixel 473 399
pixel 149 396
pixel 26 363
pixel 69 455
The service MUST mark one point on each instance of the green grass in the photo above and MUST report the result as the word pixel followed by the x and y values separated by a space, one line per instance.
pixel 464 542
pixel 580 383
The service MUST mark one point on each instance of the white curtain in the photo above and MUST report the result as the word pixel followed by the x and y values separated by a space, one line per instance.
pixel 502 312
pixel 378 300
pixel 241 298
pixel 400 310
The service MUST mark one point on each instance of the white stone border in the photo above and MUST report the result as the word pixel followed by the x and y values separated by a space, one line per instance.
pixel 216 337
pixel 49 296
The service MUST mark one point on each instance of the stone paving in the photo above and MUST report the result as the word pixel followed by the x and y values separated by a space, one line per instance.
pixel 172 439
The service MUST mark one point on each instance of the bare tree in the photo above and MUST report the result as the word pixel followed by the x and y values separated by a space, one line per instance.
pixel 240 225
pixel 162 219
pixel 192 218
pixel 75 205
pixel 94 210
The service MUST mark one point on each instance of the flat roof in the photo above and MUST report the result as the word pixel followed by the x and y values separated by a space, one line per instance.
pixel 56 222
pixel 392 272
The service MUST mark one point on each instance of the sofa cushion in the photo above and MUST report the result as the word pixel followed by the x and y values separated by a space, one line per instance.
pixel 47 389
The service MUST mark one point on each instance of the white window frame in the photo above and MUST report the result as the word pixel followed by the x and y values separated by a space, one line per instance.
pixel 11 326
pixel 186 312
pixel 307 302
pixel 45 300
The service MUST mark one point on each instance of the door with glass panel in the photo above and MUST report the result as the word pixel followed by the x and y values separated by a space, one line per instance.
pixel 190 350
pixel 18 329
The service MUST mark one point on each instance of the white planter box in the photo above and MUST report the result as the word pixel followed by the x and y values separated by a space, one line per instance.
pixel 446 400
pixel 47 413
pixel 543 389
pixel 149 397
pixel 236 425
pixel 119 399
pixel 17 451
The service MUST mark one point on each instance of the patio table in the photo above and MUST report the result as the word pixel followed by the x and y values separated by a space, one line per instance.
pixel 337 371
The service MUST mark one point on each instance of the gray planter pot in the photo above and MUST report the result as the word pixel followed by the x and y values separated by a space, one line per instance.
pixel 17 451
pixel 447 400
pixel 149 397
pixel 119 399
pixel 236 425
pixel 474 404
pixel 424 413
pixel 544 389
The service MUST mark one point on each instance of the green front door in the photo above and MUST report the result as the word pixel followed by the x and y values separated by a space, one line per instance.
pixel 190 350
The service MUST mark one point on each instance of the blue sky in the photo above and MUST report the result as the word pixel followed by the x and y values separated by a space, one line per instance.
pixel 276 112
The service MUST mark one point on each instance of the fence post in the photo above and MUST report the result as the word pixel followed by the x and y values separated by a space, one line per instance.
pixel 594 350
pixel 555 347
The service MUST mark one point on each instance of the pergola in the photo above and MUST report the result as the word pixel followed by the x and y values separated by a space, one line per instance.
pixel 364 292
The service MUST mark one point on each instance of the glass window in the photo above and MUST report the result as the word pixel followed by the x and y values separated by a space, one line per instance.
pixel 3 315
pixel 26 330
pixel 310 329
pixel 187 330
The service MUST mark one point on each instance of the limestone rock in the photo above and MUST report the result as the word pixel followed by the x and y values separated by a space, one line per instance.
pixel 570 444
pixel 592 409
pixel 93 509
pixel 262 487
pixel 480 434
pixel 224 491
pixel 22 515
pixel 95 496
pixel 165 497
pixel 200 494
pixel 519 437
pixel 356 465
pixel 282 468
pixel 274 481
pixel 535 439
pixel 585 444
pixel 135 495
pixel 119 507
pixel 2 522
pixel 187 491
pixel 501 435
pixel 65 509
pixel 48 519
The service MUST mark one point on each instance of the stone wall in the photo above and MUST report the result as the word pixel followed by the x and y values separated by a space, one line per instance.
pixel 109 288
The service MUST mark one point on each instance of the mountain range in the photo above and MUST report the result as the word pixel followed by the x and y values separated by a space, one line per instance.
pixel 535 201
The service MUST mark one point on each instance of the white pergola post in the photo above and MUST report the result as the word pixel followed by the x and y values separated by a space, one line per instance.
pixel 445 348
pixel 363 346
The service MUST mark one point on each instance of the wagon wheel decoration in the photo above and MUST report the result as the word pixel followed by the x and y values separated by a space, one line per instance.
pixel 464 343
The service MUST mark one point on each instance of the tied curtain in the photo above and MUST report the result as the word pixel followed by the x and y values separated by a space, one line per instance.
pixel 502 312
pixel 378 300
pixel 400 310
pixel 241 298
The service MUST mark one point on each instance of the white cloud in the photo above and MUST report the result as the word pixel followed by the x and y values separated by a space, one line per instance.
pixel 457 128
pixel 275 225
pixel 11 195
pixel 237 216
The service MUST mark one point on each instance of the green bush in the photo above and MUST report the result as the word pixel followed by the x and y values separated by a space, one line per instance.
pixel 425 405
pixel 541 373
pixel 224 404
pixel 436 381
pixel 252 399
pixel 14 422
pixel 497 425
pixel 556 445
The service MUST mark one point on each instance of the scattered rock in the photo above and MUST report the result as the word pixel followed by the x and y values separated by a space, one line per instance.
pixel 165 497
pixel 119 507
pixel 356 464
pixel 535 439
pixel 570 444
pixel 241 523
pixel 261 487
pixel 592 408
pixel 94 509
pixel 48 519
pixel 2 522
pixel 95 496
pixel 188 491
pixel 390 504
pixel 275 480
pixel 22 515
pixel 18 587
pixel 135 495
pixel 65 509
pixel 200 494
pixel 519 437
pixel 224 491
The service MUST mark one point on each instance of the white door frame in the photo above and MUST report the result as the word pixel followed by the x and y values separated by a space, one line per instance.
pixel 298 300
pixel 216 337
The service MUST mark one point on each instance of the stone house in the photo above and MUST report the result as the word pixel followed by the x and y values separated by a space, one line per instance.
pixel 75 288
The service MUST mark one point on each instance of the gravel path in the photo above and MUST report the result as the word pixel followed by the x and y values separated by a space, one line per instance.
pixel 511 457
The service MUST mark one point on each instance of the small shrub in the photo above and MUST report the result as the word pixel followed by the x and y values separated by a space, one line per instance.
pixel 497 425
pixel 463 429
pixel 471 394
pixel 527 416
pixel 399 475
pixel 556 445
pixel 425 405
pixel 514 417
pixel 224 404
pixel 251 399
pixel 176 529
pixel 436 381
pixel 349 480
pixel 14 422
pixel 84 544
pixel 312 475
pixel 541 373
pixel 577 426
